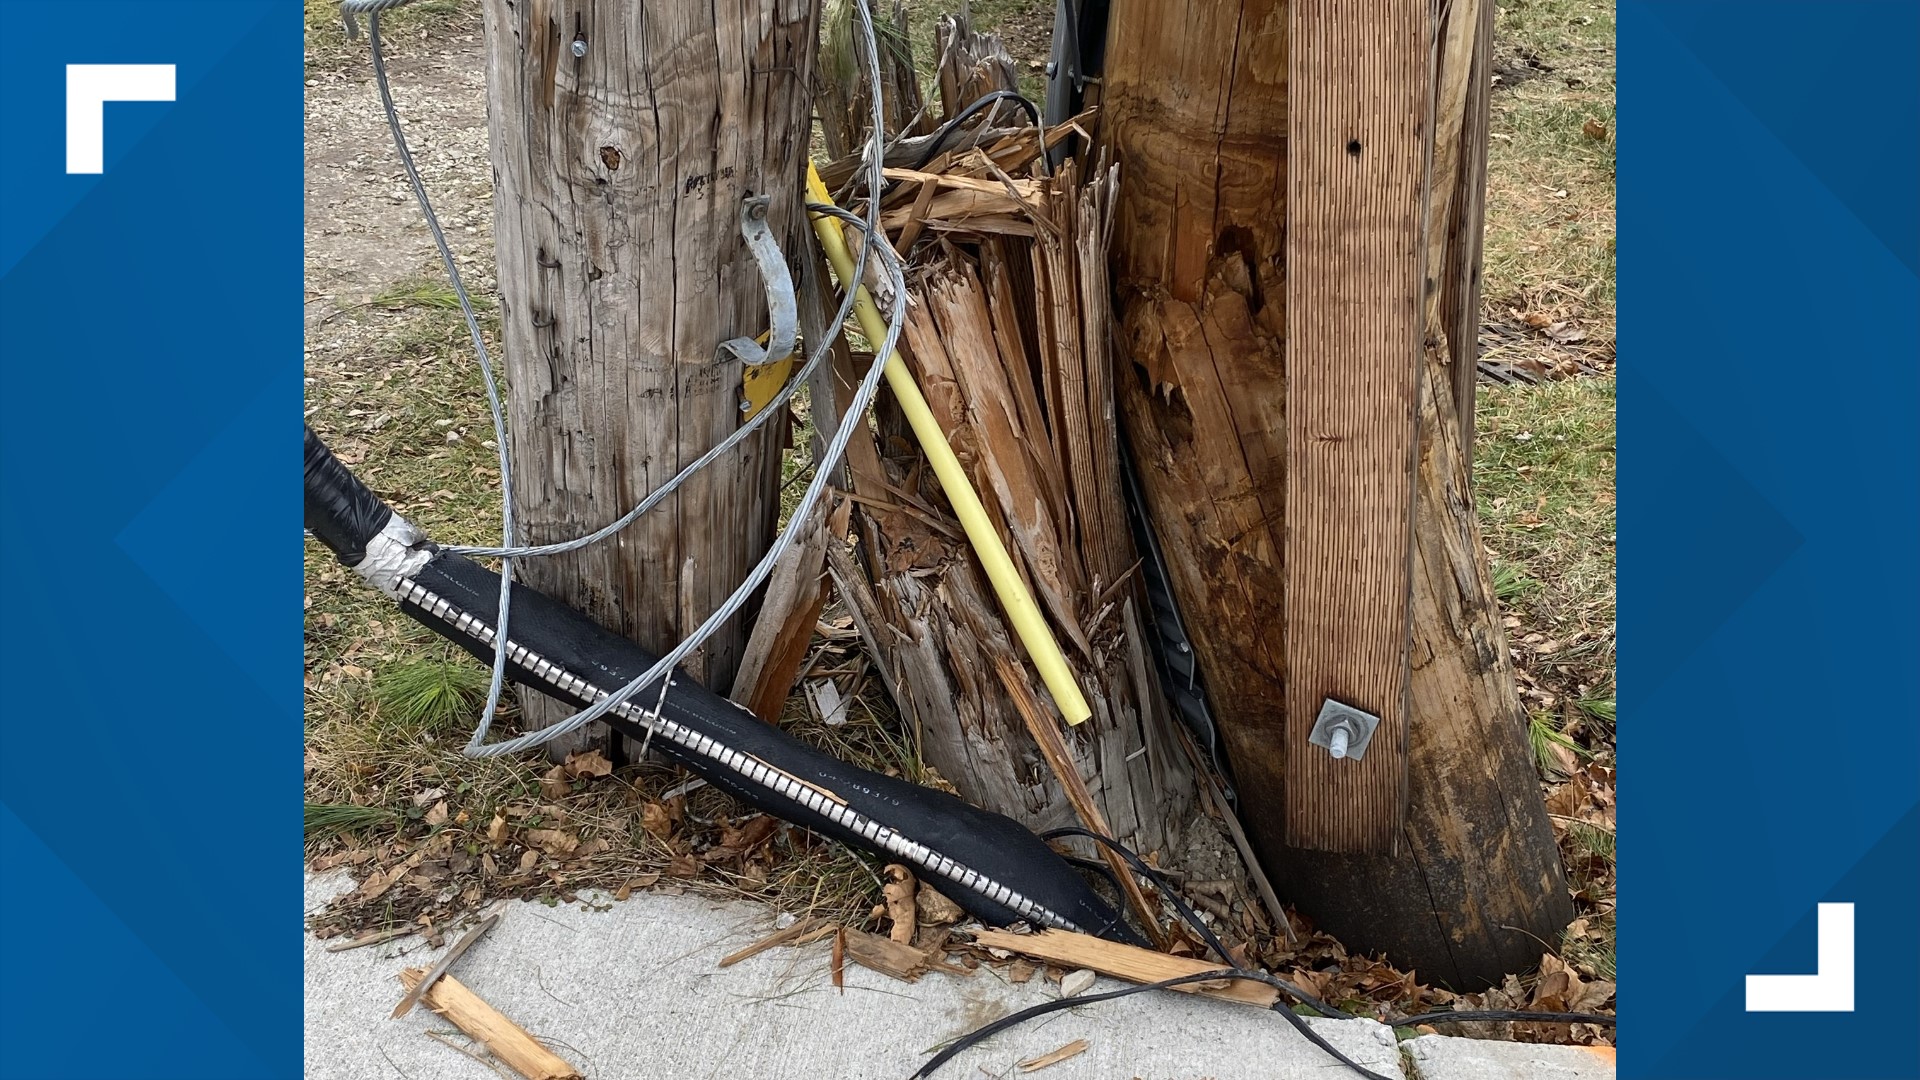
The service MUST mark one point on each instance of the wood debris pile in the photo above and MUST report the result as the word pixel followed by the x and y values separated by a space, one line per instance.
pixel 1006 333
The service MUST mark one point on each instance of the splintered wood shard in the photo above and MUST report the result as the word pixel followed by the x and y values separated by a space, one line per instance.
pixel 507 1040
pixel 1127 962
pixel 1008 339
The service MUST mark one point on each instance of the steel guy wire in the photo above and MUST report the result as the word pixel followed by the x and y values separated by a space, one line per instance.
pixel 372 8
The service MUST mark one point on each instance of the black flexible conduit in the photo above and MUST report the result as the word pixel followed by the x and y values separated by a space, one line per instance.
pixel 992 866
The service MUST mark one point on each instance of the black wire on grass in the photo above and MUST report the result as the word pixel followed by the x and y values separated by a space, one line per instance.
pixel 1477 1015
pixel 939 137
pixel 1232 971
pixel 1154 877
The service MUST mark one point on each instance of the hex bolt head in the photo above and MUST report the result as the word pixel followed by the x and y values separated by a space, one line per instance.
pixel 1337 740
pixel 580 47
pixel 1342 731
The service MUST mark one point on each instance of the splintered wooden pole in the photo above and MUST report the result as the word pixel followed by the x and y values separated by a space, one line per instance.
pixel 1212 329
pixel 1463 94
pixel 620 175
pixel 1358 120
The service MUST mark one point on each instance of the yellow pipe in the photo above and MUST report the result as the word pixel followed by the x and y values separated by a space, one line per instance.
pixel 1022 612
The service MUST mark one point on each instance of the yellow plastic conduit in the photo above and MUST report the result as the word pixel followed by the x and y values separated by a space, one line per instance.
pixel 1022 612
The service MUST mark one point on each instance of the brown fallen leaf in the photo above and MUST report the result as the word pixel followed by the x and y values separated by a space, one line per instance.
pixel 437 813
pixel 683 866
pixel 377 883
pixel 553 783
pixel 935 909
pixel 497 828
pixel 655 819
pixel 1021 971
pixel 553 841
pixel 1072 1049
pixel 626 887
pixel 587 764
pixel 1593 129
pixel 899 891
pixel 528 860
pixel 748 835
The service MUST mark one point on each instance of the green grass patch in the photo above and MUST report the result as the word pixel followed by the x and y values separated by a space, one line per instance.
pixel 431 293
pixel 1550 199
pixel 1544 476
pixel 432 693
pixel 325 820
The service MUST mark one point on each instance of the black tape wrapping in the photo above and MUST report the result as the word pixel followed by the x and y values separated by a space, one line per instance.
pixel 341 512
pixel 995 846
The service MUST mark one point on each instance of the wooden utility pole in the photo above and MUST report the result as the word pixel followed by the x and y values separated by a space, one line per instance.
pixel 626 137
pixel 1224 179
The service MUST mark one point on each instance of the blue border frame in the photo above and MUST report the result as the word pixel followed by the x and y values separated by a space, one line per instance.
pixel 1770 552
pixel 1770 313
pixel 151 317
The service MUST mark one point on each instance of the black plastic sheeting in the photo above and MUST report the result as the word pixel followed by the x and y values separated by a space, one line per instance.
pixel 344 515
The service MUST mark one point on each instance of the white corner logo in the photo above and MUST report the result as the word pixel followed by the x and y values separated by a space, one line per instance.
pixel 89 88
pixel 1830 989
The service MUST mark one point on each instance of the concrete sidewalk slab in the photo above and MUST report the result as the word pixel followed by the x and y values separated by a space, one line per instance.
pixel 630 991
pixel 1445 1057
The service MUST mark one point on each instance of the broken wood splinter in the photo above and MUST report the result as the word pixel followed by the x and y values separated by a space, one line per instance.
pixel 507 1040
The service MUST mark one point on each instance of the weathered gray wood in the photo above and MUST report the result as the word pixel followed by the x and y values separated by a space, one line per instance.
pixel 969 65
pixel 1013 361
pixel 619 177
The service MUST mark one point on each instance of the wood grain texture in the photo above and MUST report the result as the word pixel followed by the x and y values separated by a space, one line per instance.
pixel 1013 364
pixel 1477 883
pixel 619 178
pixel 1196 123
pixel 1469 49
pixel 505 1039
pixel 1358 119
pixel 1128 962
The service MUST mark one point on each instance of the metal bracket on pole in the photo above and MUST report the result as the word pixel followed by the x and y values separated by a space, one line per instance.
pixel 782 309
pixel 1344 730
pixel 767 367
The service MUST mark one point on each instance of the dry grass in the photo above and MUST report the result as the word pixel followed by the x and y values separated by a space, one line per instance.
pixel 1550 234
pixel 1544 466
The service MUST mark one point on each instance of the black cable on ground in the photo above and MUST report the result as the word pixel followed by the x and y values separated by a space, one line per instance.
pixel 1098 867
pixel 1232 971
pixel 1140 867
pixel 970 1039
pixel 1477 1015
pixel 939 137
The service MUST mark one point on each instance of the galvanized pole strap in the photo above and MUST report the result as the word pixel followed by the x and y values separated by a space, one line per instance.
pixel 782 309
